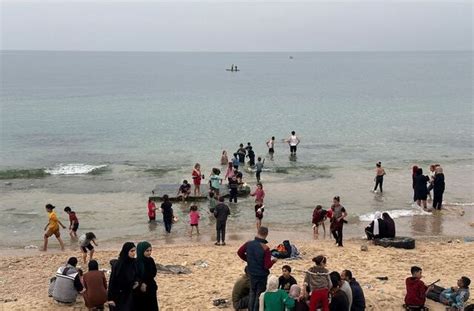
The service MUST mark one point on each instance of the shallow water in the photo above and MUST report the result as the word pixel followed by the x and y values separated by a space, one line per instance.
pixel 98 131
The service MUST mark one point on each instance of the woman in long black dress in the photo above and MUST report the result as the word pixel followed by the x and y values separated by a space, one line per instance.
pixel 438 188
pixel 145 297
pixel 421 188
pixel 123 279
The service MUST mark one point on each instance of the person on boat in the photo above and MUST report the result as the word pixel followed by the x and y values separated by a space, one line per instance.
pixel 232 67
pixel 197 177
pixel 184 190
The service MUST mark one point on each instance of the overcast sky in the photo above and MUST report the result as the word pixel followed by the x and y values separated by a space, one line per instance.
pixel 237 26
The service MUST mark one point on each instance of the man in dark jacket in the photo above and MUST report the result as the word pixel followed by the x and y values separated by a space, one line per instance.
pixel 358 299
pixel 221 213
pixel 259 261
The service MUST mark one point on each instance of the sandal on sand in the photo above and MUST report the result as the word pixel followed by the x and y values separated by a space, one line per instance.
pixel 218 302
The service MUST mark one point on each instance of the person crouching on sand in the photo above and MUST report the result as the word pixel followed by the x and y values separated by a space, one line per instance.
pixel 52 227
pixel 319 216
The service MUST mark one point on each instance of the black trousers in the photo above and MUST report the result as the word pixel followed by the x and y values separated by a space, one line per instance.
pixel 233 195
pixel 337 233
pixel 220 229
pixel 379 182
pixel 437 199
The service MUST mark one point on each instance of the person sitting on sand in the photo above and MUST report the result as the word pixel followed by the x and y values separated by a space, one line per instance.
pixel 286 279
pixel 300 301
pixel 73 222
pixel 456 296
pixel 95 285
pixel 374 229
pixel 68 283
pixel 358 299
pixel 388 227
pixel 240 292
pixel 317 278
pixel 416 289
pixel 319 216
pixel 274 299
pixel 53 227
pixel 184 190
pixel 339 300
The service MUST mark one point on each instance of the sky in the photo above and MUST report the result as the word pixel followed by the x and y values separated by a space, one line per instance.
pixel 237 26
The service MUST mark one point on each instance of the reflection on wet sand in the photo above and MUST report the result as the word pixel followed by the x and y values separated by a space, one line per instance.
pixel 426 225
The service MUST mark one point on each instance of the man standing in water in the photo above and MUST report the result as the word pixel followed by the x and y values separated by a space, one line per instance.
pixel 293 141
pixel 259 261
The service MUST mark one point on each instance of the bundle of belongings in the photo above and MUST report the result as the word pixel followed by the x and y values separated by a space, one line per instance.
pixel 286 250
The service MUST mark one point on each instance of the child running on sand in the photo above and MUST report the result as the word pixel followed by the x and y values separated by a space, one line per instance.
pixel 259 194
pixel 53 227
pixel 319 216
pixel 317 278
pixel 85 241
pixel 73 222
pixel 194 219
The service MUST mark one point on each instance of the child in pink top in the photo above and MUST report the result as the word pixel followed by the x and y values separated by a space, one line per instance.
pixel 194 219
pixel 259 194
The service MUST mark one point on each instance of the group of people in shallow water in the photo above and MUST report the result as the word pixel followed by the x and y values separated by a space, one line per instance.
pixel 422 185
pixel 131 285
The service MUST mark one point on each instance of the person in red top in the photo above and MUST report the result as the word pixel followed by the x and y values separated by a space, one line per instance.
pixel 197 176
pixel 73 222
pixel 259 194
pixel 416 289
pixel 151 210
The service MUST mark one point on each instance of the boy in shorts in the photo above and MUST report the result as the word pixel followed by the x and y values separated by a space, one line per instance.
pixel 85 242
pixel 73 222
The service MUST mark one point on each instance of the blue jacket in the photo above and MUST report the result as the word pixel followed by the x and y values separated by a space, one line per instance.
pixel 358 299
pixel 258 257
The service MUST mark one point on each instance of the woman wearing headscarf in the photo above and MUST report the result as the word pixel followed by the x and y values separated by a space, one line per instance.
pixel 145 296
pixel 275 299
pixel 389 226
pixel 123 279
pixel 300 300
pixel 414 169
pixel 421 188
pixel 438 188
pixel 96 287
pixel 373 230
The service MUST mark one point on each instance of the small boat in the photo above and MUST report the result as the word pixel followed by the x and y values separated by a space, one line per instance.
pixel 171 190
pixel 232 69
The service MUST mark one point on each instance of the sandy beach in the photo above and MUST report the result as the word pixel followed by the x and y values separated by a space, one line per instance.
pixel 24 278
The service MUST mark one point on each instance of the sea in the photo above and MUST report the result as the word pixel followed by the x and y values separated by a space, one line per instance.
pixel 98 131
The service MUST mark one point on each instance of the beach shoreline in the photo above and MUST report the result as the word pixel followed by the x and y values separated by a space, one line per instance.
pixel 32 272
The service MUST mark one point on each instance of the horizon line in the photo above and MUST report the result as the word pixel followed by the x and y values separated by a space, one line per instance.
pixel 250 51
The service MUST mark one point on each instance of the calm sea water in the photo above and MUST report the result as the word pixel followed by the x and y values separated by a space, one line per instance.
pixel 99 130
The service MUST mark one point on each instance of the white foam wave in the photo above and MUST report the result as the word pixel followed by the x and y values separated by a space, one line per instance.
pixel 397 213
pixel 458 204
pixel 73 169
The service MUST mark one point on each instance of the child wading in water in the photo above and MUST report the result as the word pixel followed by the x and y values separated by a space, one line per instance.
pixel 85 241
pixel 73 222
pixel 259 209
pixel 53 227
pixel 151 210
pixel 194 219
pixel 259 167
pixel 319 216
pixel 197 176
pixel 259 194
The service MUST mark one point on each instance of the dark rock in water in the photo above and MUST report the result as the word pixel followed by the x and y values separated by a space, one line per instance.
pixel 172 269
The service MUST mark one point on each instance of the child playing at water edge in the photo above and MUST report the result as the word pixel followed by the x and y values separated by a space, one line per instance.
pixel 259 167
pixel 317 278
pixel 212 202
pixel 151 210
pixel 85 243
pixel 53 227
pixel 184 190
pixel 194 219
pixel 259 194
pixel 319 216
pixel 215 181
pixel 224 158
pixel 73 222
pixel 259 209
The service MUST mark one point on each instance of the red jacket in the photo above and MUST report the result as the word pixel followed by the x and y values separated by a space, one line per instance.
pixel 416 292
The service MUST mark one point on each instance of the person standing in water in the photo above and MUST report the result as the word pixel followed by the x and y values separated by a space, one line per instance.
pixel 224 158
pixel 241 152
pixel 271 145
pixel 438 188
pixel 197 176
pixel 293 141
pixel 379 173
pixel 52 227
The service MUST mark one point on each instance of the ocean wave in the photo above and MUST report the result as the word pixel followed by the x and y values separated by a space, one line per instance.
pixel 159 171
pixel 76 169
pixel 23 173
pixel 397 213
